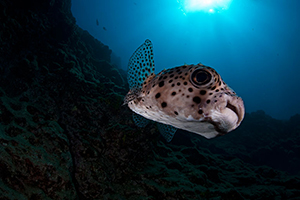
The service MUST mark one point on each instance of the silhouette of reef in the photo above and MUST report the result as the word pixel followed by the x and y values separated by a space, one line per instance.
pixel 64 133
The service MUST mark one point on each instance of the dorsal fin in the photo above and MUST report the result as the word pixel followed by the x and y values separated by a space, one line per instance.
pixel 141 65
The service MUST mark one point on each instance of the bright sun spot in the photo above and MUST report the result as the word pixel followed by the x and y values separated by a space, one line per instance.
pixel 210 6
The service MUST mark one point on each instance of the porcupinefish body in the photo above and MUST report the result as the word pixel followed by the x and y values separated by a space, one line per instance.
pixel 189 97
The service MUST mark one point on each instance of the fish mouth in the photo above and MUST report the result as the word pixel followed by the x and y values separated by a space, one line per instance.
pixel 228 115
pixel 238 109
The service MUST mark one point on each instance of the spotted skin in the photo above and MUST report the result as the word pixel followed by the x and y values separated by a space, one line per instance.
pixel 188 97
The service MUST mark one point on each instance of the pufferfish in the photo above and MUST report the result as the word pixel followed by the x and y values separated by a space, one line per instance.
pixel 189 97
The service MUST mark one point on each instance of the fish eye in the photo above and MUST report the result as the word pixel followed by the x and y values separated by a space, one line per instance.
pixel 200 77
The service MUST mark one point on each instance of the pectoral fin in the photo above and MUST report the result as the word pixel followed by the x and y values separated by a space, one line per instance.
pixel 166 131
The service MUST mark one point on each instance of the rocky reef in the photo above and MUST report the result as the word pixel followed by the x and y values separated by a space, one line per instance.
pixel 64 133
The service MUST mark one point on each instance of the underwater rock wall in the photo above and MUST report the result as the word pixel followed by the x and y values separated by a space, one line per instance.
pixel 64 133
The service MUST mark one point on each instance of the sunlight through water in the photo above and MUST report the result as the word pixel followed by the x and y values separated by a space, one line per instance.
pixel 210 6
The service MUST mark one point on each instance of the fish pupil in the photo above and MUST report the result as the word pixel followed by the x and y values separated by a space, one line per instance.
pixel 200 77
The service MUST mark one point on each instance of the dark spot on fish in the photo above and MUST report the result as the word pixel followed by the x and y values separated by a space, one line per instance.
pixel 217 90
pixel 163 104
pixel 197 100
pixel 210 93
pixel 220 83
pixel 208 101
pixel 176 113
pixel 184 83
pixel 173 93
pixel 202 92
pixel 173 85
pixel 176 77
pixel 157 95
pixel 172 75
pixel 190 89
pixel 161 84
pixel 178 83
pixel 213 88
pixel 170 81
pixel 200 112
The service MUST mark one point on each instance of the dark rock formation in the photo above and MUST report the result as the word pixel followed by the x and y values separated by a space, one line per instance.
pixel 65 135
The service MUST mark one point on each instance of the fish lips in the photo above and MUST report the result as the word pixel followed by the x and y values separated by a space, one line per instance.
pixel 227 113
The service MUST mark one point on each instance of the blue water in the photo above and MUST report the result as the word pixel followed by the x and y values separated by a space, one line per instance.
pixel 254 44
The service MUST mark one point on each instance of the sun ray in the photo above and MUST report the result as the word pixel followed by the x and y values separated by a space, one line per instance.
pixel 211 6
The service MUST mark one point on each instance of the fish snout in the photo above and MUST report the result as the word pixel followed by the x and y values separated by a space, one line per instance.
pixel 227 113
pixel 236 104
